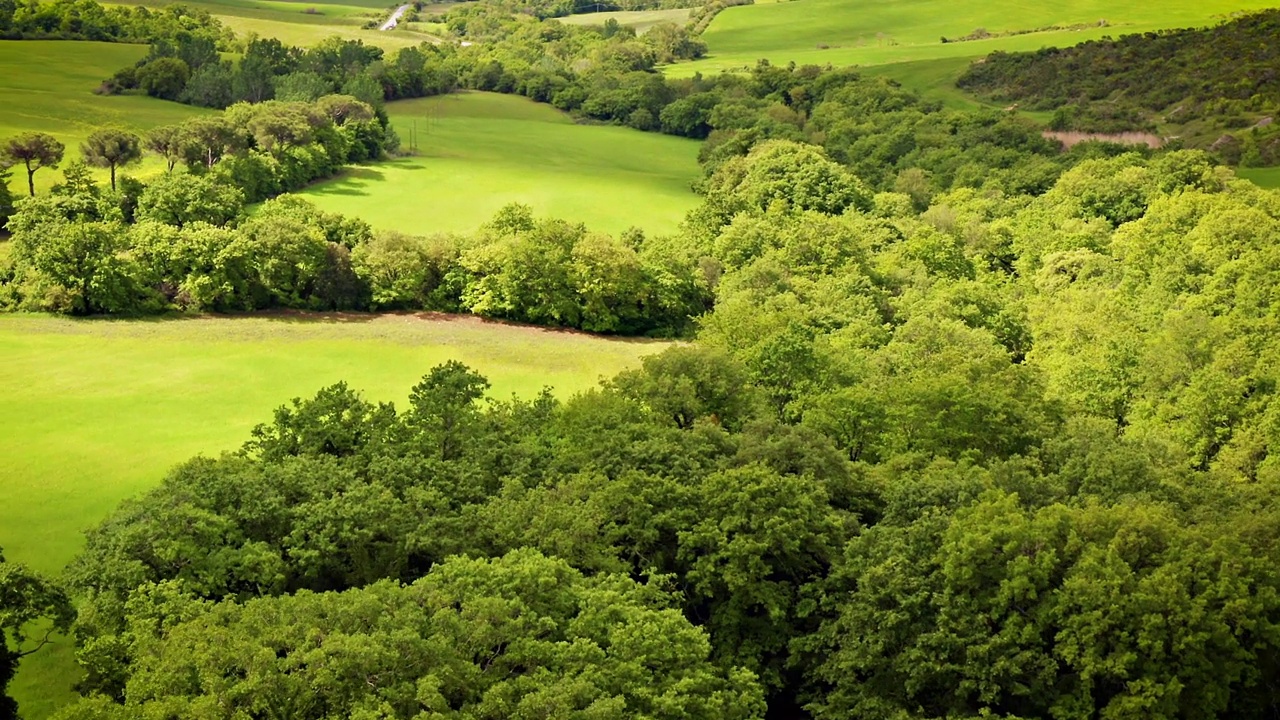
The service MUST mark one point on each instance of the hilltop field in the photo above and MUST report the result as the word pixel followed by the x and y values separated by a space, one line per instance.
pixel 883 32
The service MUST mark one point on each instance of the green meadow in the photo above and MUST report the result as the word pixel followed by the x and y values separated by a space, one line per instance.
pixel 94 411
pixel 1265 177
pixel 480 151
pixel 875 32
pixel 47 86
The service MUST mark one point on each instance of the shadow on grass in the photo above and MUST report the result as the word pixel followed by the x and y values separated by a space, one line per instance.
pixel 355 317
pixel 349 182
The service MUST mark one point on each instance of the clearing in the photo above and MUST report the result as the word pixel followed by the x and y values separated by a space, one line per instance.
pixel 480 151
pixel 93 411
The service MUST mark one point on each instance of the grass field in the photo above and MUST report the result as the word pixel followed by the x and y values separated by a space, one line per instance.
pixel 874 32
pixel 480 151
pixel 641 20
pixel 48 86
pixel 1266 177
pixel 93 411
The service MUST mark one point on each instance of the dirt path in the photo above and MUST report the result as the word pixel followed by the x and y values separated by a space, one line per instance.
pixel 394 20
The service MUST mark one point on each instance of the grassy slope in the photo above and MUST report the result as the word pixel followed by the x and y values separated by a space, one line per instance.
pixel 480 151
pixel 48 86
pixel 95 411
pixel 893 31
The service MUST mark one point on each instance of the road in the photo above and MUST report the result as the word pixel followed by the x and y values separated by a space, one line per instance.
pixel 395 18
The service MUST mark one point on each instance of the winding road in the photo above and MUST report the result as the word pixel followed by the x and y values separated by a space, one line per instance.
pixel 395 18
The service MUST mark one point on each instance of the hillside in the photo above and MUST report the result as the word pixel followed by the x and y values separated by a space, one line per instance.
pixel 1216 87
pixel 842 32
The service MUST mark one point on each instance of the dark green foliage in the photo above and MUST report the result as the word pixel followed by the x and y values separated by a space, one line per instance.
pixel 1214 82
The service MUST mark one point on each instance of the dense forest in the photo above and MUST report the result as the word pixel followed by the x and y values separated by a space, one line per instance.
pixel 1008 457
pixel 1211 86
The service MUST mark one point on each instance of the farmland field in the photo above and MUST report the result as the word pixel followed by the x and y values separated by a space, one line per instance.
pixel 841 32
pixel 480 151
pixel 93 411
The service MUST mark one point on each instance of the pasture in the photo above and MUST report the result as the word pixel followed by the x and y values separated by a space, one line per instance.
pixel 480 151
pixel 93 411
pixel 47 86
pixel 840 32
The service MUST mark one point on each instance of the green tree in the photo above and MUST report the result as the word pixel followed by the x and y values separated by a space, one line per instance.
pixel 112 149
pixel 167 142
pixel 34 150
pixel 182 199
pixel 164 78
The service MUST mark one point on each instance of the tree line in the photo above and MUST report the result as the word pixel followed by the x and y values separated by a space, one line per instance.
pixel 1211 85
pixel 90 20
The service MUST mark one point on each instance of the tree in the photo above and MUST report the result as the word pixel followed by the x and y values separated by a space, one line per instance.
pixel 164 77
pixel 167 142
pixel 301 87
pixel 203 141
pixel 34 150
pixel 110 148
pixel 182 199
pixel 25 597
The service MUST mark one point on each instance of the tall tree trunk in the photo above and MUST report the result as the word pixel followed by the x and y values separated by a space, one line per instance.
pixel 113 177
pixel 31 183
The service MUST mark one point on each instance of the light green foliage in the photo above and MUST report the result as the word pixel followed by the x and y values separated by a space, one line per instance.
pixel 181 199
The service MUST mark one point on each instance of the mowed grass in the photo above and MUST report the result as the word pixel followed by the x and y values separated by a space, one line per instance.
pixel 47 86
pixel 641 20
pixel 874 32
pixel 481 151
pixel 94 411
